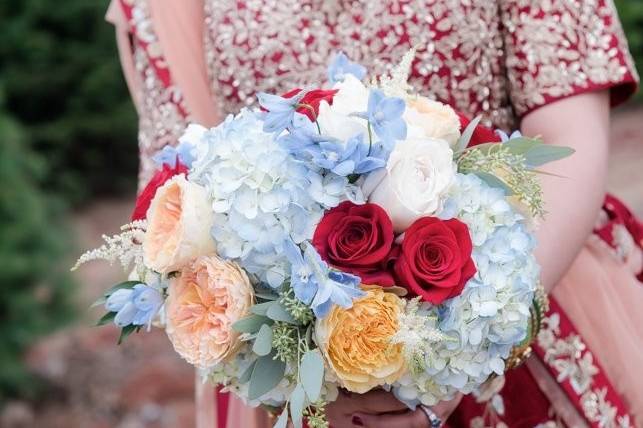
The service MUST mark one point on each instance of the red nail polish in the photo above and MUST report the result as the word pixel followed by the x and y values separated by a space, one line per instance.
pixel 357 421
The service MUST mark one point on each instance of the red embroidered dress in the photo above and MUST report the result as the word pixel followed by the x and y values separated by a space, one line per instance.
pixel 501 59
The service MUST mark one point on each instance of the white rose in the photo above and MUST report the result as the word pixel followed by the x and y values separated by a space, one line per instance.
pixel 179 221
pixel 417 177
pixel 335 120
pixel 431 119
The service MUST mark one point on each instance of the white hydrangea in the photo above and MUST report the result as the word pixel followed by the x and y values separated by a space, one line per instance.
pixel 490 316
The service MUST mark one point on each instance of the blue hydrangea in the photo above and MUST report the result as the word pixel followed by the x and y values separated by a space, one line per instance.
pixel 491 314
pixel 261 195
pixel 134 306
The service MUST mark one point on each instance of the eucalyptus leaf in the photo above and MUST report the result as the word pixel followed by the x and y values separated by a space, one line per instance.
pixel 266 374
pixel 267 296
pixel 99 302
pixel 278 313
pixel 465 138
pixel 250 324
pixel 311 371
pixel 546 153
pixel 126 284
pixel 263 341
pixel 107 318
pixel 245 376
pixel 297 402
pixel 494 181
pixel 261 308
pixel 282 421
pixel 521 145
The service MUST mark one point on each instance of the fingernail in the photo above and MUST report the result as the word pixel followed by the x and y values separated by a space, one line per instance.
pixel 357 421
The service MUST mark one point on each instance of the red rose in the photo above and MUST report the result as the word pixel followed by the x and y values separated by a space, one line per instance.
pixel 145 198
pixel 357 239
pixel 312 98
pixel 435 259
pixel 481 134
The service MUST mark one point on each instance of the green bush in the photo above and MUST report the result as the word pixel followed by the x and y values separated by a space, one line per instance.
pixel 63 83
pixel 35 288
pixel 631 13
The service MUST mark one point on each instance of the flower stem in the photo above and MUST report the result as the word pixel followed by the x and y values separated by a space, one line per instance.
pixel 370 139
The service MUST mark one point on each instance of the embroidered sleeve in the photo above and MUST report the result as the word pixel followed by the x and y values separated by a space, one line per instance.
pixel 556 49
pixel 163 114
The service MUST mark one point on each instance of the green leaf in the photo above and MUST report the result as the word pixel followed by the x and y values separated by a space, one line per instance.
pixel 278 313
pixel 311 371
pixel 267 296
pixel 267 374
pixel 251 324
pixel 263 341
pixel 99 302
pixel 465 138
pixel 546 153
pixel 261 308
pixel 494 181
pixel 297 401
pixel 107 318
pixel 521 145
pixel 282 421
pixel 245 376
pixel 126 284
pixel 126 331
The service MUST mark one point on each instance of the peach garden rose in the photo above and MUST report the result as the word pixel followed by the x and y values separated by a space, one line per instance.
pixel 356 342
pixel 432 119
pixel 203 302
pixel 179 223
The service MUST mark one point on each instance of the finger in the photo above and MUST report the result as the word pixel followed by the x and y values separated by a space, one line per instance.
pixel 378 401
pixel 444 409
pixel 409 419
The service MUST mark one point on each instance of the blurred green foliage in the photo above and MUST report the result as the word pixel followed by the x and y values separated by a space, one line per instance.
pixel 63 83
pixel 631 13
pixel 35 287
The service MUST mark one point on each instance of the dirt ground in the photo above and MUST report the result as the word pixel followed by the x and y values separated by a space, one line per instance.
pixel 143 384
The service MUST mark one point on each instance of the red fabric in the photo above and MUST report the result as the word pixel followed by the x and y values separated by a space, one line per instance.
pixel 619 214
pixel 525 404
pixel 223 400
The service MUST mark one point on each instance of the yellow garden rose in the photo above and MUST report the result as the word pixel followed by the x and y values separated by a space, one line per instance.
pixel 179 223
pixel 433 119
pixel 207 297
pixel 356 342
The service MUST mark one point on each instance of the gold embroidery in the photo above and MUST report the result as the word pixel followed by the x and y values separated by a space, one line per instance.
pixel 572 362
pixel 161 121
pixel 557 47
pixel 276 45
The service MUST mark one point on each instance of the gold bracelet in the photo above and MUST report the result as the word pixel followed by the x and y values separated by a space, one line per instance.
pixel 539 307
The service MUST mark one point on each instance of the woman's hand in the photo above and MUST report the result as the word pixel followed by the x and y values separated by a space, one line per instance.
pixel 380 409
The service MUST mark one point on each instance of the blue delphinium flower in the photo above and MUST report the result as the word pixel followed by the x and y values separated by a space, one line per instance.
pixel 504 137
pixel 135 306
pixel 169 155
pixel 384 114
pixel 341 66
pixel 347 158
pixel 280 111
pixel 317 285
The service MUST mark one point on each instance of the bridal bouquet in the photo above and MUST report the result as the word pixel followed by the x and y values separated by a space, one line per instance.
pixel 361 236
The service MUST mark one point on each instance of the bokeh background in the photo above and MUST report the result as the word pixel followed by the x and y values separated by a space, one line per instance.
pixel 68 164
